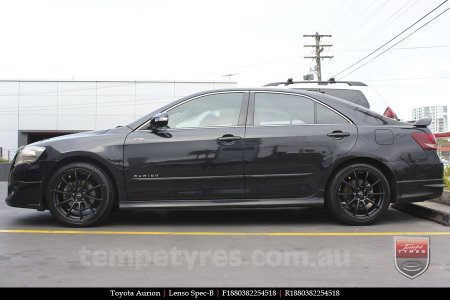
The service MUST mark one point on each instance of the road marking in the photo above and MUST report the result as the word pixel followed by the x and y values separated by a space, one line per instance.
pixel 215 233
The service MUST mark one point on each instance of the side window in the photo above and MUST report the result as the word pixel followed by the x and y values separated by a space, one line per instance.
pixel 216 110
pixel 327 116
pixel 280 109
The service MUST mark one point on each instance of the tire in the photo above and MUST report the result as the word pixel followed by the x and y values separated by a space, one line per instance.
pixel 80 195
pixel 358 194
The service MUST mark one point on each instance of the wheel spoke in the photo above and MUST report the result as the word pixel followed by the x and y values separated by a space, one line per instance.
pixel 351 186
pixel 345 194
pixel 356 179
pixel 348 203
pixel 374 204
pixel 61 192
pixel 355 212
pixel 95 187
pixel 376 193
pixel 86 181
pixel 81 212
pixel 376 182
pixel 76 178
pixel 97 199
pixel 365 179
pixel 70 210
pixel 67 183
pixel 64 202
pixel 365 208
pixel 87 205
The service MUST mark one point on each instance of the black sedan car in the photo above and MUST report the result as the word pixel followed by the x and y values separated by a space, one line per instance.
pixel 233 148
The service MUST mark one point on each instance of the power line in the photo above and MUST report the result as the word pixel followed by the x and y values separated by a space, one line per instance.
pixel 399 48
pixel 55 91
pixel 84 105
pixel 46 92
pixel 367 20
pixel 409 27
pixel 357 19
pixel 336 18
pixel 392 18
pixel 396 43
pixel 410 78
pixel 411 86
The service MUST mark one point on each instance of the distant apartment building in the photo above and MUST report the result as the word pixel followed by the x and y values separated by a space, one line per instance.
pixel 438 114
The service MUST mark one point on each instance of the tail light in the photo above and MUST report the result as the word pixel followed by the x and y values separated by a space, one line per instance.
pixel 425 140
pixel 390 113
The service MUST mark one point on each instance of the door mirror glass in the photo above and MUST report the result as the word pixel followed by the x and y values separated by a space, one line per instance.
pixel 160 120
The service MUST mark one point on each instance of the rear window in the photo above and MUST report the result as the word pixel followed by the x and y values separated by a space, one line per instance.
pixel 353 96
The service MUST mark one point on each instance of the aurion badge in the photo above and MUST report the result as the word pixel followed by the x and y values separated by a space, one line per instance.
pixel 412 255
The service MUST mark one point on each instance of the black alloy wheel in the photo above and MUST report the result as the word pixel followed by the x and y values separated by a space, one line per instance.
pixel 80 194
pixel 359 194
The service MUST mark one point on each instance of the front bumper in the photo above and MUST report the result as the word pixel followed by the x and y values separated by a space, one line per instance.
pixel 25 195
pixel 419 190
pixel 25 188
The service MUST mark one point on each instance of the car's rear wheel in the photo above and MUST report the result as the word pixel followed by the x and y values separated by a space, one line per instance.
pixel 359 194
pixel 80 194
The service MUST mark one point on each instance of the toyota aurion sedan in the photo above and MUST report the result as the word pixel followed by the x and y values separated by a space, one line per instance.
pixel 264 147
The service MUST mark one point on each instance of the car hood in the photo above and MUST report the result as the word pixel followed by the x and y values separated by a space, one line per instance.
pixel 83 136
pixel 70 136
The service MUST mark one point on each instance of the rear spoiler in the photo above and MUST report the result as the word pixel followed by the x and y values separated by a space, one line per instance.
pixel 422 123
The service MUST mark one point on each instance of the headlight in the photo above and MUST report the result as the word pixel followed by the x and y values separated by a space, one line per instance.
pixel 29 154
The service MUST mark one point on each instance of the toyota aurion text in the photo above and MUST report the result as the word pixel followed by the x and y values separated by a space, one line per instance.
pixel 234 148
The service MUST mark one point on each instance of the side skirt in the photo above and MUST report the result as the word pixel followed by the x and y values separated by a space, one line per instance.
pixel 225 203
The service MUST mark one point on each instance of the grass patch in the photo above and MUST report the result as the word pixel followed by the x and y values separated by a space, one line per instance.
pixel 447 177
pixel 3 160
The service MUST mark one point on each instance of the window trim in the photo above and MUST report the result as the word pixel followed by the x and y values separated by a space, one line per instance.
pixel 250 118
pixel 333 110
pixel 242 113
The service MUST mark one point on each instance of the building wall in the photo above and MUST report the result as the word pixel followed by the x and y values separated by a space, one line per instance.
pixel 83 105
pixel 438 114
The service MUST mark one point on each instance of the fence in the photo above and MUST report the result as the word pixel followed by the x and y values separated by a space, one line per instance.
pixel 7 153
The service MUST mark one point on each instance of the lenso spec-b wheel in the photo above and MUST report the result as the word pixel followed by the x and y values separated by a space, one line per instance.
pixel 359 194
pixel 79 195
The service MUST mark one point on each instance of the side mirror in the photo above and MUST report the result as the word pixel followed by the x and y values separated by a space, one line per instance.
pixel 160 120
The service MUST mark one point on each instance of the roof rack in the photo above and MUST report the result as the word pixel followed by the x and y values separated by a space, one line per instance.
pixel 330 81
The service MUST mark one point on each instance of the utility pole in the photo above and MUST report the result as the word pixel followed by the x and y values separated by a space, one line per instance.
pixel 318 49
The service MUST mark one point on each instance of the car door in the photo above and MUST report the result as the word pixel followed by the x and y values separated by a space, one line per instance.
pixel 290 142
pixel 198 155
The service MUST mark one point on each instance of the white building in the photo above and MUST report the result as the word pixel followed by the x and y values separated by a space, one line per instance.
pixel 438 114
pixel 32 110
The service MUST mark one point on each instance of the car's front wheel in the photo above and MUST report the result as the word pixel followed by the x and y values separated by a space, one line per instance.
pixel 359 194
pixel 79 195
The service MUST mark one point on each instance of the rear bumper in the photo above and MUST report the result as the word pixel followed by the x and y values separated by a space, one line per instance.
pixel 418 190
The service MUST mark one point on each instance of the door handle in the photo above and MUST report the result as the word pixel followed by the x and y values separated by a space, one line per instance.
pixel 338 134
pixel 228 139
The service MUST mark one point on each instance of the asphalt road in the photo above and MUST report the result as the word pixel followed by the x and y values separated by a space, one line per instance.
pixel 239 248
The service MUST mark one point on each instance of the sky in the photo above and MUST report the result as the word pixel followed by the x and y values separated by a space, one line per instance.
pixel 258 41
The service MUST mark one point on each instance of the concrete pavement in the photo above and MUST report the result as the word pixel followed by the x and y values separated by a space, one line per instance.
pixel 119 256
